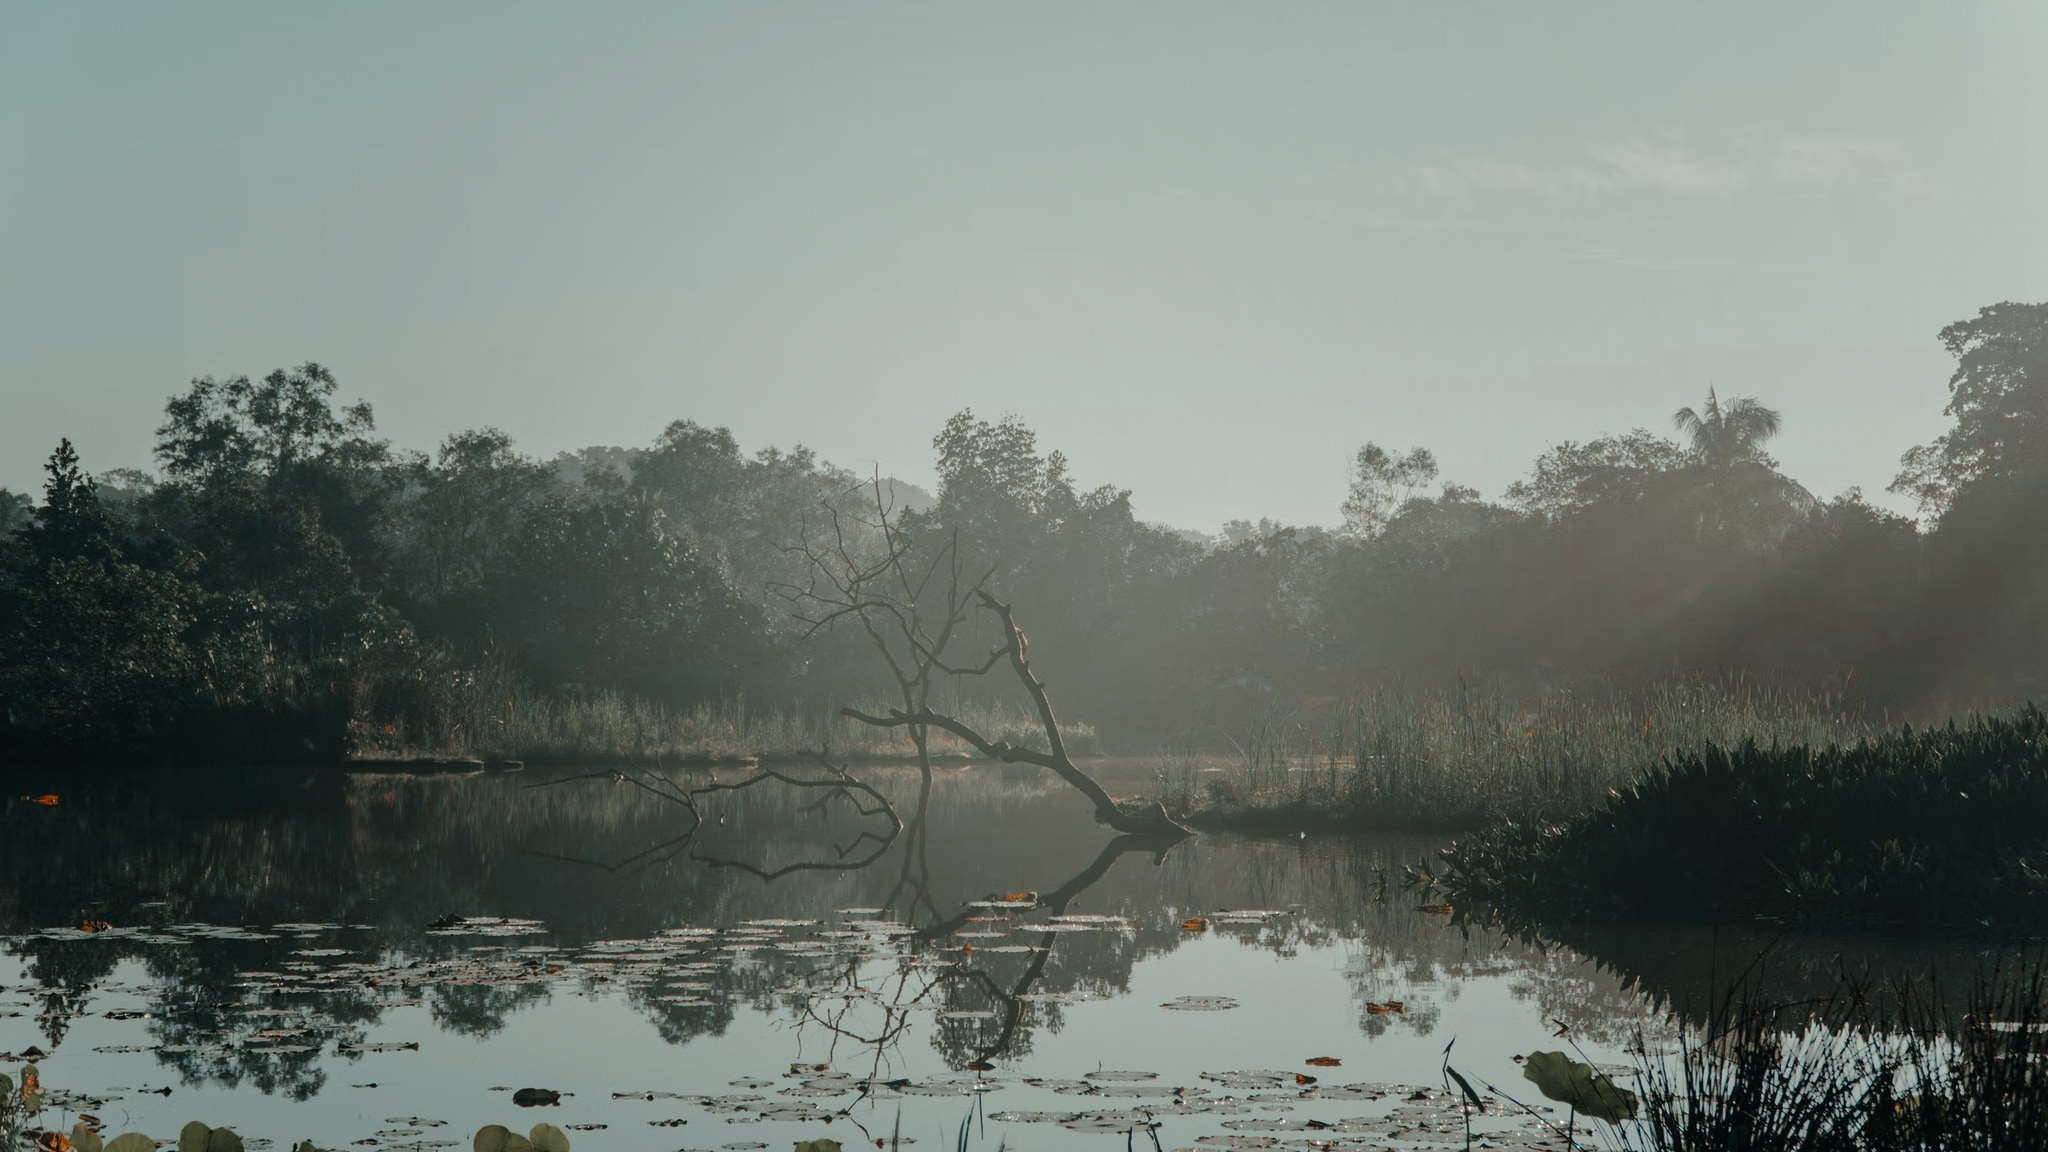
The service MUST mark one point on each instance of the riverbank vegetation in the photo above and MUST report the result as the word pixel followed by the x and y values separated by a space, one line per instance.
pixel 490 713
pixel 1934 829
pixel 1835 1077
pixel 1461 756
pixel 288 586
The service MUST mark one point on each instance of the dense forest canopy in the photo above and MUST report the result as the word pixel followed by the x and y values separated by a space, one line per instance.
pixel 288 568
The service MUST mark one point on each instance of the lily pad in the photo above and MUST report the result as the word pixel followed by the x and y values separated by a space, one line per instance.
pixel 1568 1081
pixel 1201 1004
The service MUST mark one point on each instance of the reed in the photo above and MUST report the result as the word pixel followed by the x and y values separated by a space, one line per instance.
pixel 1835 1079
pixel 1462 755
pixel 489 714
pixel 1915 829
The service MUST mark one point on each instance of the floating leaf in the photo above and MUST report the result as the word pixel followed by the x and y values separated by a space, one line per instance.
pixel 1324 1062
pixel 819 1145
pixel 192 1137
pixel 531 1098
pixel 1200 1004
pixel 1567 1081
pixel 53 1142
pixel 548 1138
pixel 1195 925
pixel 131 1142
pixel 95 926
pixel 47 801
pixel 84 1139
pixel 222 1140
pixel 1253 1079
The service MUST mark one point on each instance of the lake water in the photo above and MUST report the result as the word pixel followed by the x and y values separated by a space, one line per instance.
pixel 383 962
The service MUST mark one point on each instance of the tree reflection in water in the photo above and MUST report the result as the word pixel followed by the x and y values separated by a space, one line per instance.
pixel 393 856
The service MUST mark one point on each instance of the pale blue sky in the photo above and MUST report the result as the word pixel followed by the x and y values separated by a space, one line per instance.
pixel 1205 249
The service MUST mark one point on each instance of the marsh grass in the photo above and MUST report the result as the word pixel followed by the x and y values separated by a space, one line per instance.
pixel 1461 755
pixel 489 714
pixel 1833 1078
pixel 1915 830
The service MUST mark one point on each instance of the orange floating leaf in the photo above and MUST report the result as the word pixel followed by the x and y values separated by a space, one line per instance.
pixel 1195 925
pixel 54 1142
pixel 1436 909
pixel 94 926
pixel 48 800
pixel 980 1066
pixel 1324 1062
pixel 1303 1080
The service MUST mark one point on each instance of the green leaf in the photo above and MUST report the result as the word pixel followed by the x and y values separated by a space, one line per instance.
pixel 131 1142
pixel 223 1140
pixel 1567 1081
pixel 818 1146
pixel 1464 1085
pixel 192 1137
pixel 84 1139
pixel 490 1138
pixel 548 1138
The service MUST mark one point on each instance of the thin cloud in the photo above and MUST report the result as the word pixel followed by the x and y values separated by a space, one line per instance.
pixel 1666 167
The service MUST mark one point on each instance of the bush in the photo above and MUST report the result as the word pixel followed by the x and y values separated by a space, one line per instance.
pixel 1938 828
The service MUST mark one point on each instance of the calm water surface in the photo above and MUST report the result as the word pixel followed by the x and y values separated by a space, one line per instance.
pixel 380 962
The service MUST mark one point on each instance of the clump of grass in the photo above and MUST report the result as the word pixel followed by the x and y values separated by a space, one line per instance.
pixel 1832 1079
pixel 1930 829
pixel 1461 755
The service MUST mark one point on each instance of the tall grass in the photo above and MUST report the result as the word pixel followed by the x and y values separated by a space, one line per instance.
pixel 1460 755
pixel 1939 828
pixel 489 714
pixel 1776 1078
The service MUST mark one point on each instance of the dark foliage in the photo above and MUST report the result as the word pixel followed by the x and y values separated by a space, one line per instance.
pixel 1938 828
pixel 1834 1076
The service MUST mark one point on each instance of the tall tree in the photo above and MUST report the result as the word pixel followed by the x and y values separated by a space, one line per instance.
pixel 1381 483
pixel 1726 434
pixel 1998 396
pixel 70 524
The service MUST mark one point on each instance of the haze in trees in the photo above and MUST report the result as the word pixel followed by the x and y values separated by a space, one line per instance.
pixel 288 567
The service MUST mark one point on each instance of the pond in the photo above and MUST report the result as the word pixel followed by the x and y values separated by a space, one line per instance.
pixel 385 962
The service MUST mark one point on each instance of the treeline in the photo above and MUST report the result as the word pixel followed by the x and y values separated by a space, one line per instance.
pixel 286 574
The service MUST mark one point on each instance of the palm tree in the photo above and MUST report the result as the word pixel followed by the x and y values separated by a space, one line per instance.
pixel 1727 434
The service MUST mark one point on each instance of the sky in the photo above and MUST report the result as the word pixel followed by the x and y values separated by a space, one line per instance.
pixel 1206 250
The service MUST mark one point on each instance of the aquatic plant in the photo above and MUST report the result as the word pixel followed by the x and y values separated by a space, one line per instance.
pixel 1463 754
pixel 498 1138
pixel 1934 828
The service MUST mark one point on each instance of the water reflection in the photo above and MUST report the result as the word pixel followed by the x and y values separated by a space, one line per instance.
pixel 272 941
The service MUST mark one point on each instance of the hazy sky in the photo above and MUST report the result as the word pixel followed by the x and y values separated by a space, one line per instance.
pixel 1207 250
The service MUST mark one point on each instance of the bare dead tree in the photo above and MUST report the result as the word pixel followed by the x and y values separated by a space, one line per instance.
pixel 911 611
